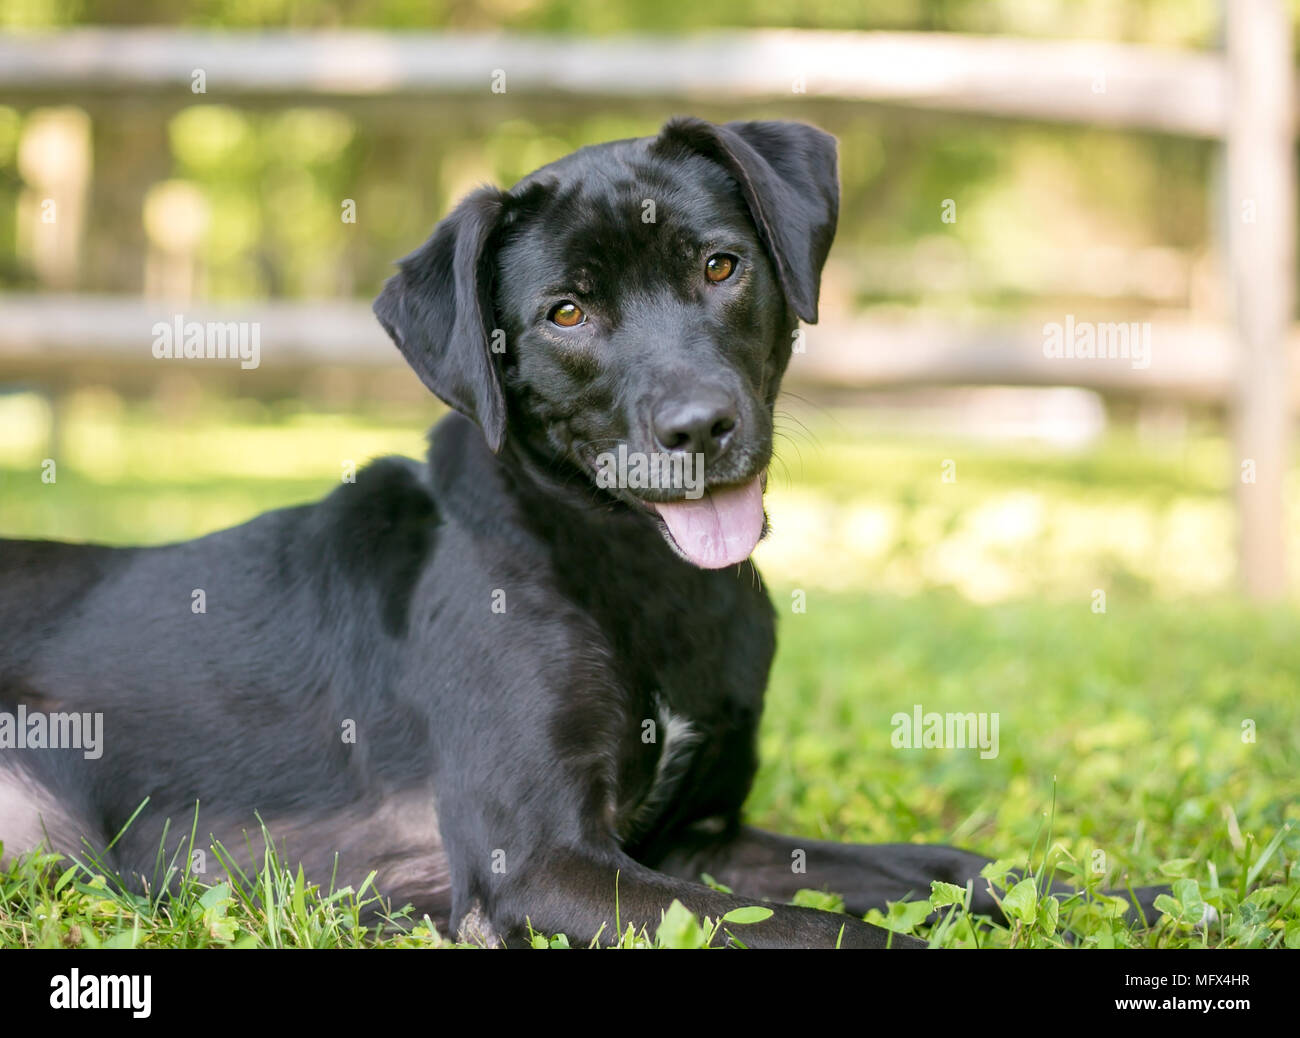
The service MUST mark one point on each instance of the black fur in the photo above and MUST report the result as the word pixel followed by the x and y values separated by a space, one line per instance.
pixel 500 770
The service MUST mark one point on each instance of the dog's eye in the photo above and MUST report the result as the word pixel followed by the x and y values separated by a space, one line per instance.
pixel 567 315
pixel 719 266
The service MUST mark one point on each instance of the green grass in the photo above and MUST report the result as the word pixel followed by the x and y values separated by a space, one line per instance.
pixel 1157 741
pixel 1124 745
pixel 1121 762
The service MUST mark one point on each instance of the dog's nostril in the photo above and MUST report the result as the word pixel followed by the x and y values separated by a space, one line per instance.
pixel 723 426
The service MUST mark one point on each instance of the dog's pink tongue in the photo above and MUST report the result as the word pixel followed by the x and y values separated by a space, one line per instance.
pixel 719 529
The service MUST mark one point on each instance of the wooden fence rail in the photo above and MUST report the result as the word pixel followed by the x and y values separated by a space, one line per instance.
pixel 1098 83
pixel 61 338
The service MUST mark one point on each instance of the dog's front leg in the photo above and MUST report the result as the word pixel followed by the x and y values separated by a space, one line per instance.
pixel 769 865
pixel 867 876
pixel 591 896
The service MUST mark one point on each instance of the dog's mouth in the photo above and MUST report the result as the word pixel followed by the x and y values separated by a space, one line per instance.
pixel 720 528
pixel 710 526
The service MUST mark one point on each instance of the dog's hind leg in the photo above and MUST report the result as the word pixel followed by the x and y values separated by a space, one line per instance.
pixel 32 818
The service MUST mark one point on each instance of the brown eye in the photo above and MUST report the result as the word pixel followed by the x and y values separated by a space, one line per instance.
pixel 719 266
pixel 567 315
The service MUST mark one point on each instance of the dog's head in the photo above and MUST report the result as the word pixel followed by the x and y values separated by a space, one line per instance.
pixel 627 312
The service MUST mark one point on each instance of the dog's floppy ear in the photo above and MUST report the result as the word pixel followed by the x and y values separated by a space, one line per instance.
pixel 438 308
pixel 787 173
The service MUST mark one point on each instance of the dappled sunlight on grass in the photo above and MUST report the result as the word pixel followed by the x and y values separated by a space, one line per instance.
pixel 131 475
pixel 851 507
pixel 1008 544
pixel 848 508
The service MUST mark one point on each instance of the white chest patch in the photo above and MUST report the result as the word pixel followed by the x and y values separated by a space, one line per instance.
pixel 677 738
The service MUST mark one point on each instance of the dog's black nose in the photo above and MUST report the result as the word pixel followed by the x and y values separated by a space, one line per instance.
pixel 703 423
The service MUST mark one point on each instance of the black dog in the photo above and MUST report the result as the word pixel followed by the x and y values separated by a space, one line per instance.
pixel 514 687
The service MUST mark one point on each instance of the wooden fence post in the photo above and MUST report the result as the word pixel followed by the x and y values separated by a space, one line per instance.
pixel 1261 255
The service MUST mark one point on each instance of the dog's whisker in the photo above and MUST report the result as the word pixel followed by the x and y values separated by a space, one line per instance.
pixel 785 468
pixel 792 425
pixel 825 411
pixel 795 424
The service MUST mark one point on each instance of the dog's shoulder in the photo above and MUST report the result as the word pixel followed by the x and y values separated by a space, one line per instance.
pixel 377 531
pixel 386 492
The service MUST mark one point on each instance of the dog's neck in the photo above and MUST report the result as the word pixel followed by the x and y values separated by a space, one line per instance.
pixel 529 477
